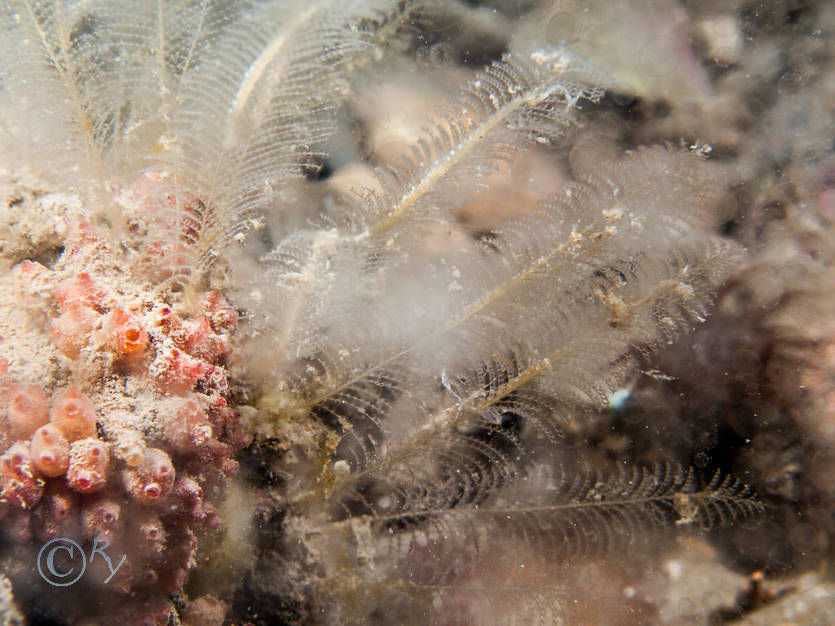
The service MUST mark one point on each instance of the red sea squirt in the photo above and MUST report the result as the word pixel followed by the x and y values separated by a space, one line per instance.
pixel 50 451
pixel 19 482
pixel 125 335
pixel 151 480
pixel 74 415
pixel 89 462
pixel 26 410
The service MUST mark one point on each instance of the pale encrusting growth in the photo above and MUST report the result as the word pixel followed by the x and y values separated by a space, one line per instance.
pixel 410 381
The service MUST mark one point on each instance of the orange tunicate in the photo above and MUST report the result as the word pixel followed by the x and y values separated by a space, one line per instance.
pixel 50 451
pixel 153 479
pixel 26 409
pixel 185 424
pixel 125 335
pixel 102 517
pixel 72 329
pixel 31 279
pixel 20 485
pixel 74 415
pixel 89 462
pixel 78 290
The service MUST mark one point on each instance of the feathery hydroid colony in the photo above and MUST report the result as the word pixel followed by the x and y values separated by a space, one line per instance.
pixel 414 379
